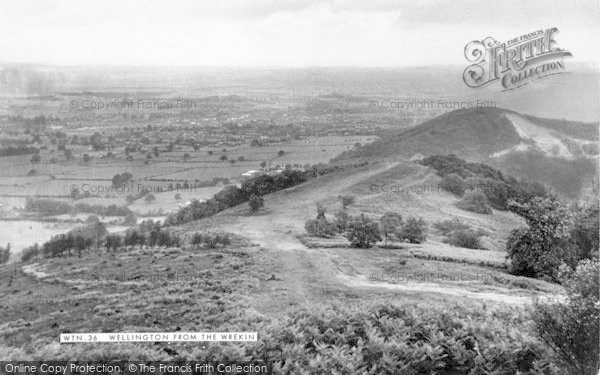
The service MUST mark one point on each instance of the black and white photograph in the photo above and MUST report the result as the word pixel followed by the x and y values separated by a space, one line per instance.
pixel 385 187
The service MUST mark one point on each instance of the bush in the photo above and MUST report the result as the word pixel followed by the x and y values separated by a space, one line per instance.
pixel 362 232
pixel 459 234
pixel 571 328
pixel 414 230
pixel 475 202
pixel 320 227
pixel 467 238
pixel 256 203
pixel 341 220
pixel 346 200
pixel 539 249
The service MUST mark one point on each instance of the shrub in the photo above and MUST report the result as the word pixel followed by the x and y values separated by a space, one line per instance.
pixel 467 238
pixel 256 203
pixel 197 239
pixel 341 220
pixel 362 232
pixel 414 230
pixel 475 202
pixel 390 340
pixel 446 227
pixel 454 184
pixel 539 249
pixel 30 253
pixel 320 227
pixel 571 328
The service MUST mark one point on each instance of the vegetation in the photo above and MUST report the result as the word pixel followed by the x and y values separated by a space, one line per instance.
pixel 389 225
pixel 539 249
pixel 256 202
pixel 52 207
pixel 414 230
pixel 4 254
pixel 459 176
pixel 572 328
pixel 347 200
pixel 320 226
pixel 362 232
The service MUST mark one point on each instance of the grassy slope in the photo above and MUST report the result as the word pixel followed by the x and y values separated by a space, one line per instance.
pixel 231 288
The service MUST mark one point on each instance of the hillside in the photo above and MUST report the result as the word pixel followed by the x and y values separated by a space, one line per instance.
pixel 558 153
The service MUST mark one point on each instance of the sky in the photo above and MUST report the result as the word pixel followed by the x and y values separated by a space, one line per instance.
pixel 282 33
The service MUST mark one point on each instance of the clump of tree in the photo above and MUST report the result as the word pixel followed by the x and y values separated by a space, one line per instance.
pixel 362 232
pixel 572 327
pixel 460 176
pixel 256 202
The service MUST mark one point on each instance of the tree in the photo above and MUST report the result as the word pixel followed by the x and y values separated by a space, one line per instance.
pixel 362 232
pixel 414 230
pixel 571 328
pixel 346 200
pixel 280 153
pixel 540 248
pixel 389 224
pixel 256 202
pixel 223 158
pixel 177 197
pixel 86 158
pixel 263 164
pixel 112 241
pixel 320 226
pixel 4 254
pixel 186 156
pixel 342 218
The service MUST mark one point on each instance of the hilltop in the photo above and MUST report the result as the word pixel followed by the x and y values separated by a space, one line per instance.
pixel 562 154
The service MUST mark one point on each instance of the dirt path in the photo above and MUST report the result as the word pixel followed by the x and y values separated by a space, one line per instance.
pixel 306 273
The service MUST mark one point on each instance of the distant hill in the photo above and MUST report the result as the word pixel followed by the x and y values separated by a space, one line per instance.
pixel 561 154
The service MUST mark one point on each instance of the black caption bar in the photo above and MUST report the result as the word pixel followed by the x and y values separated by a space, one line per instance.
pixel 133 367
